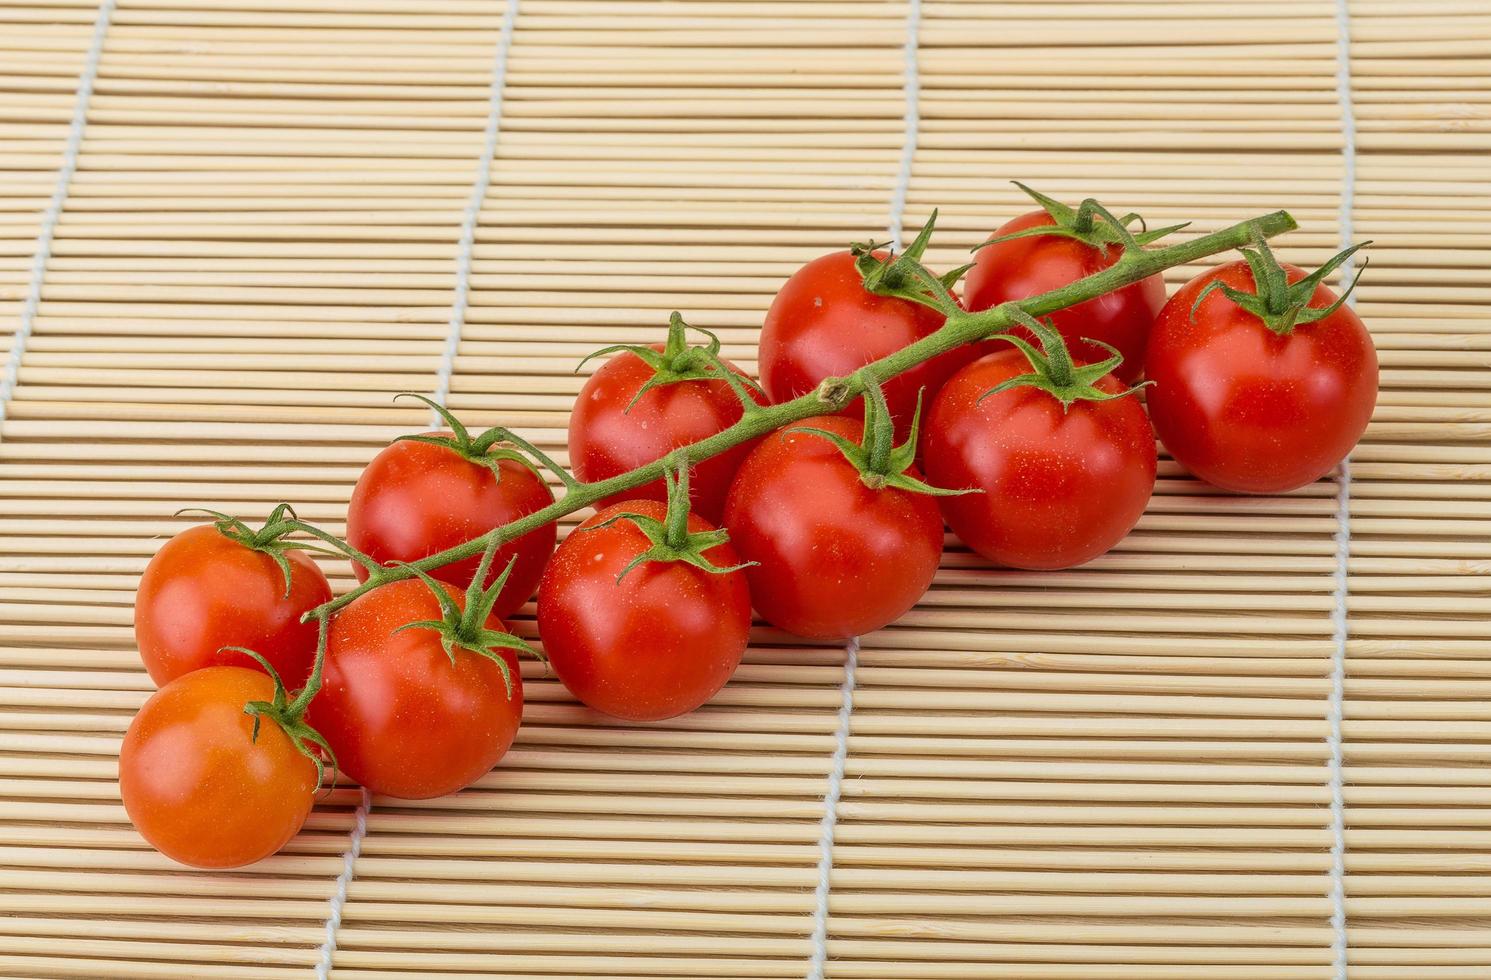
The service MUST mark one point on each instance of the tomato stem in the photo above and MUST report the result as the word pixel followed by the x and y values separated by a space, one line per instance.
pixel 312 687
pixel 1083 225
pixel 679 362
pixel 1052 369
pixel 670 538
pixel 880 430
pixel 880 462
pixel 270 539
pixel 486 449
pixel 1282 306
pixel 465 626
pixel 677 517
pixel 961 327
pixel 290 715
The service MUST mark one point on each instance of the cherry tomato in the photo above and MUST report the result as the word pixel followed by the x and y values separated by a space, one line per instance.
pixel 836 558
pixel 1060 486
pixel 824 323
pixel 1248 409
pixel 612 431
pixel 205 590
pixel 198 786
pixel 402 716
pixel 1025 267
pixel 654 645
pixel 416 499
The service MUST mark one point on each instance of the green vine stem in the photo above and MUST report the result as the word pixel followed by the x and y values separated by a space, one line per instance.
pixel 961 327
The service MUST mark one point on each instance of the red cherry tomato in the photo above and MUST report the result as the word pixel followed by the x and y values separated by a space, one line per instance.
pixel 203 591
pixel 402 718
pixel 657 644
pixel 1060 487
pixel 198 786
pixel 1250 410
pixel 1025 267
pixel 837 559
pixel 606 438
pixel 823 323
pixel 416 499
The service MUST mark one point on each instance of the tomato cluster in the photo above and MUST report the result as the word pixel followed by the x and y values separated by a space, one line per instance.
pixel 1033 446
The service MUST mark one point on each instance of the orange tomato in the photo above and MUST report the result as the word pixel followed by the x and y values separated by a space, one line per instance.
pixel 198 786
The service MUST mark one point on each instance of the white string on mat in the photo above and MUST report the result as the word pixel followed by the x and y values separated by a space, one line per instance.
pixel 1335 708
pixel 831 812
pixel 835 788
pixel 913 88
pixel 338 899
pixel 467 244
pixel 1334 712
pixel 53 212
pixel 472 214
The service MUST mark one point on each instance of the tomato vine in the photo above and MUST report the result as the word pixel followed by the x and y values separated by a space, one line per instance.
pixel 900 275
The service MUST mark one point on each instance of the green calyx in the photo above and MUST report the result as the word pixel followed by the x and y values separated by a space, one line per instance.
pixel 904 275
pixel 289 714
pixel 880 462
pixel 269 539
pixel 680 361
pixel 1280 305
pixel 466 628
pixel 670 538
pixel 489 448
pixel 1052 368
pixel 1089 223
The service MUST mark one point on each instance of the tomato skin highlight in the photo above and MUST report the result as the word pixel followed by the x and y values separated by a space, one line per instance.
pixel 198 787
pixel 656 645
pixel 1010 271
pixel 415 499
pixel 1251 411
pixel 203 591
pixel 837 559
pixel 823 323
pixel 403 720
pixel 606 439
pixel 1059 487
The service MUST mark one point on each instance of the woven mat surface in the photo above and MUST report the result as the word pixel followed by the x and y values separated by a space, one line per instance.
pixel 1114 772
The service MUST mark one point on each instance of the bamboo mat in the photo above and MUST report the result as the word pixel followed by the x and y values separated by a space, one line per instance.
pixel 1121 771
